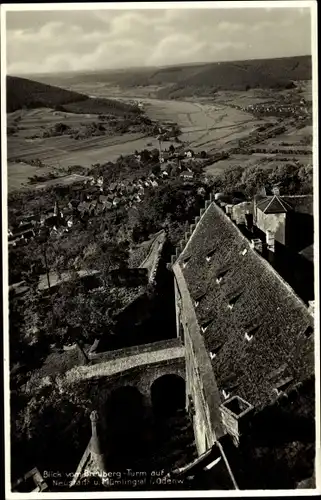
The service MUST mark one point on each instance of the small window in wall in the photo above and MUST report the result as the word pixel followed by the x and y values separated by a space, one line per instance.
pixel 226 394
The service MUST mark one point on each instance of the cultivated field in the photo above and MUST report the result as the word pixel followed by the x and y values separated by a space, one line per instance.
pixel 212 124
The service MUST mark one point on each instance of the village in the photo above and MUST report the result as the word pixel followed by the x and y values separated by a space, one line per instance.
pixel 161 248
pixel 96 195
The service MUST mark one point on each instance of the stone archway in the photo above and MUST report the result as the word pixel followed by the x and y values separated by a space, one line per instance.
pixel 168 395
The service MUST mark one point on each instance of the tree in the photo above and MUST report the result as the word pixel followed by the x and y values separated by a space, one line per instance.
pixel 253 179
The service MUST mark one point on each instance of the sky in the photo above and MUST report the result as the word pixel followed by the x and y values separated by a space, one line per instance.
pixel 59 41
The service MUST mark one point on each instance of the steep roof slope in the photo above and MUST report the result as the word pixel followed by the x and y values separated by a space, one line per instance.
pixel 281 204
pixel 235 291
pixel 273 205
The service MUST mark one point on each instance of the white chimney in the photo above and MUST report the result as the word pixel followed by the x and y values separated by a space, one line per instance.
pixel 229 209
pixel 270 240
pixel 276 190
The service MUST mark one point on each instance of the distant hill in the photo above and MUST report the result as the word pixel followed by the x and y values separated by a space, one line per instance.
pixel 239 75
pixel 204 78
pixel 29 94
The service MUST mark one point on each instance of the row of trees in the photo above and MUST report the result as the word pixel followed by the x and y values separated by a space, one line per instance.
pixel 291 178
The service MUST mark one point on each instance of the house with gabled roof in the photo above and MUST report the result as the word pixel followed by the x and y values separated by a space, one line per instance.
pixel 248 337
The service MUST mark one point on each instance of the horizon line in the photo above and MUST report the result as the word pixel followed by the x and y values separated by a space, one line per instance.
pixel 129 68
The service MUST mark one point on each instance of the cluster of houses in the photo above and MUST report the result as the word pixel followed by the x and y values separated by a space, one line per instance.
pixel 97 197
pixel 54 220
pixel 275 109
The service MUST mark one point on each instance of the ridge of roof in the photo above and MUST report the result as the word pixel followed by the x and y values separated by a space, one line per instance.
pixel 265 204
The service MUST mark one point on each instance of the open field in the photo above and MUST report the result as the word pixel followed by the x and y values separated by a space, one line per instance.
pixel 212 123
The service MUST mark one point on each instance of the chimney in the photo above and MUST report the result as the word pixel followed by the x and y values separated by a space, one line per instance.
pixel 270 240
pixel 236 416
pixel 276 190
pixel 228 209
pixel 256 243
pixel 249 221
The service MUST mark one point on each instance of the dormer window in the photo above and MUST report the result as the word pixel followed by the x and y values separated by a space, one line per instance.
pixel 185 261
pixel 210 255
pixel 249 334
pixel 221 275
pixel 205 325
pixel 198 299
pixel 226 394
pixel 214 351
pixel 233 300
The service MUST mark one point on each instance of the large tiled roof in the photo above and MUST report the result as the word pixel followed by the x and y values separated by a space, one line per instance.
pixel 250 298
